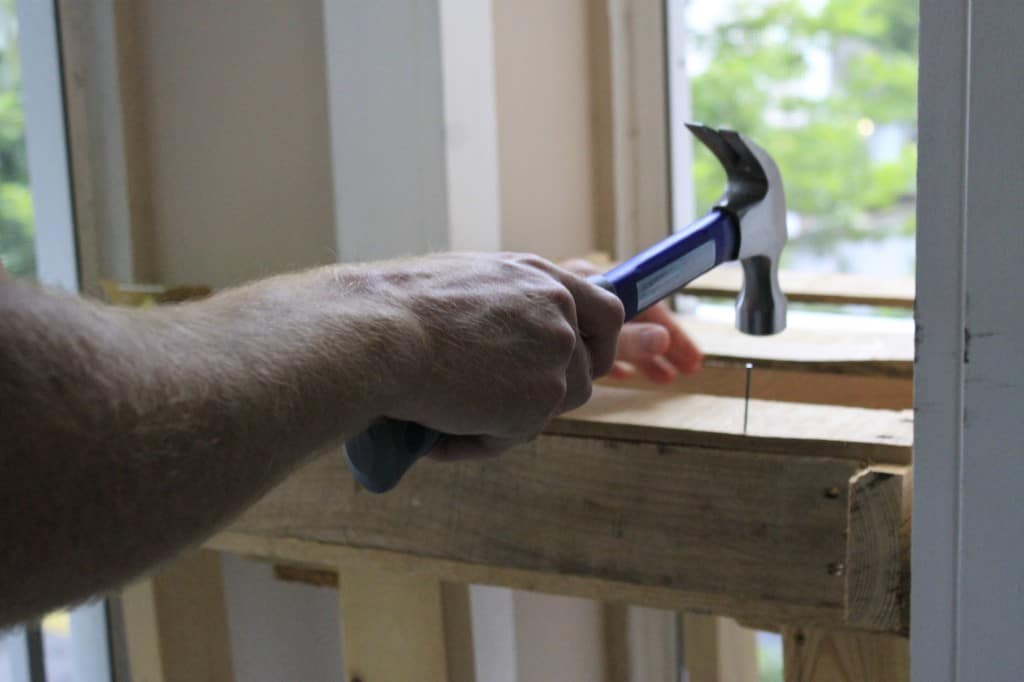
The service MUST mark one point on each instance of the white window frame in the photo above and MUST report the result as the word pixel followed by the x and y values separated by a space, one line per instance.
pixel 50 183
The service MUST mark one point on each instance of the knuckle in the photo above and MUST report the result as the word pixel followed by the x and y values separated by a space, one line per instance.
pixel 584 393
pixel 579 266
pixel 554 391
pixel 564 342
pixel 561 297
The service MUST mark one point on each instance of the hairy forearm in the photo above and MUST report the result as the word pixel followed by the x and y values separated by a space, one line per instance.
pixel 128 435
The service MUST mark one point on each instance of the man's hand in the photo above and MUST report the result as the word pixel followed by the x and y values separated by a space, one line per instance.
pixel 509 341
pixel 652 343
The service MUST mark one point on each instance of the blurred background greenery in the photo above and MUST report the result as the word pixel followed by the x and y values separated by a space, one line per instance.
pixel 830 88
pixel 17 234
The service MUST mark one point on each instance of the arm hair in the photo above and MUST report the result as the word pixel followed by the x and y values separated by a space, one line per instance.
pixel 129 435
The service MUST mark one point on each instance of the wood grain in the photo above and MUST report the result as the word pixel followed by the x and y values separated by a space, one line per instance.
pixel 806 287
pixel 877 565
pixel 678 527
pixel 815 656
pixel 789 386
pixel 667 417
pixel 836 351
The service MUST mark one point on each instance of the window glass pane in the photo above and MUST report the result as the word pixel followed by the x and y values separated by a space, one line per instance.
pixel 829 87
pixel 17 246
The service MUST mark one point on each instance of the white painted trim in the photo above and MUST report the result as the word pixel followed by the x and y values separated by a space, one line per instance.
pixel 639 109
pixel 15 646
pixel 109 244
pixel 968 563
pixel 386 117
pixel 470 124
pixel 90 648
pixel 680 111
pixel 46 138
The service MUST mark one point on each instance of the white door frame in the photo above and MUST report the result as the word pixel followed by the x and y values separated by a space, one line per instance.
pixel 967 614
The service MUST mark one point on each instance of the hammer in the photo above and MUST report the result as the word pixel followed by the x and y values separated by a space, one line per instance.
pixel 748 224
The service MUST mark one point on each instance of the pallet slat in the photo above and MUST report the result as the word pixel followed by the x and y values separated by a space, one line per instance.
pixel 744 533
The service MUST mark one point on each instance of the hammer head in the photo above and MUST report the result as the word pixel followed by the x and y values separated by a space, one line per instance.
pixel 755 196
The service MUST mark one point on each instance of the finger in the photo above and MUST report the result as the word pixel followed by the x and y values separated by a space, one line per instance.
pixel 659 370
pixel 640 341
pixel 682 352
pixel 580 267
pixel 622 370
pixel 600 316
pixel 459 448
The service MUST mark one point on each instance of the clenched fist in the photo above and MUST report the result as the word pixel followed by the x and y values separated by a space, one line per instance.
pixel 505 343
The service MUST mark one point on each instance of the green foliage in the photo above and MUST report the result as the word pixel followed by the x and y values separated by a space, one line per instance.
pixel 17 234
pixel 821 144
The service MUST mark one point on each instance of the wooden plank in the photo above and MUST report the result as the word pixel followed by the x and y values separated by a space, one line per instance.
pixel 817 656
pixel 877 563
pixel 679 527
pixel 667 417
pixel 807 287
pixel 176 624
pixel 392 626
pixel 718 649
pixel 458 632
pixel 640 644
pixel 836 351
pixel 783 385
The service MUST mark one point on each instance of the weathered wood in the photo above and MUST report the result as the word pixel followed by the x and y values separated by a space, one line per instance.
pixel 678 527
pixel 790 386
pixel 807 287
pixel 392 626
pixel 815 656
pixel 176 626
pixel 665 416
pixel 835 351
pixel 877 563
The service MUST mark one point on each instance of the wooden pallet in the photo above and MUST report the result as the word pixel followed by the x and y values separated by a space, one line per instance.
pixel 654 496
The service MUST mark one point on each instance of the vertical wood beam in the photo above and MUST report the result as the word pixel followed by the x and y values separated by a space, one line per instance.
pixel 818 656
pixel 640 644
pixel 394 627
pixel 176 624
pixel 718 649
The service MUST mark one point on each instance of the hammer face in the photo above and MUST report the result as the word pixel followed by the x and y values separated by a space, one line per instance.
pixel 754 194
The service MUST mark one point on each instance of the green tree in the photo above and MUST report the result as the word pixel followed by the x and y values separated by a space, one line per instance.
pixel 821 144
pixel 17 235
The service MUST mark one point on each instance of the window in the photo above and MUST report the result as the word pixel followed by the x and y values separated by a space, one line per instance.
pixel 830 88
pixel 36 240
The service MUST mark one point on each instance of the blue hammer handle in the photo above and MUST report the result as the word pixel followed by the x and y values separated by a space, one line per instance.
pixel 380 455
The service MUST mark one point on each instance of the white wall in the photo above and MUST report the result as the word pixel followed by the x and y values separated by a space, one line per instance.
pixel 280 631
pixel 235 107
pixel 544 134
